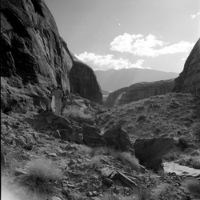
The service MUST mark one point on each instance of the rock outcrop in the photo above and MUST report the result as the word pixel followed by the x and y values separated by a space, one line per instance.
pixel 83 81
pixel 34 58
pixel 91 136
pixel 189 78
pixel 117 138
pixel 139 91
pixel 151 151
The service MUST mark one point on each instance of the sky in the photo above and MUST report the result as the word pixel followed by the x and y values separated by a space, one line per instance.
pixel 115 34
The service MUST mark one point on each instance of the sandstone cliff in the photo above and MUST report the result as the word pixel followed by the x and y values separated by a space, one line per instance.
pixel 83 81
pixel 34 58
pixel 189 79
pixel 139 91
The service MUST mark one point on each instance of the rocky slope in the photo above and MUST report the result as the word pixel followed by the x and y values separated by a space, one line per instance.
pixel 34 58
pixel 139 91
pixel 189 79
pixel 112 80
pixel 42 144
pixel 172 115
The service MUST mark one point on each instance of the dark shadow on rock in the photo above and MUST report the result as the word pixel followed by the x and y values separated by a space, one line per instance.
pixel 151 151
pixel 49 121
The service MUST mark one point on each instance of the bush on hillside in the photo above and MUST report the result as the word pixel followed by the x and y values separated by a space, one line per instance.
pixel 40 177
pixel 127 158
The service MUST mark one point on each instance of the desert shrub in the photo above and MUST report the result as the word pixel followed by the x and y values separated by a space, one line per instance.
pixel 126 157
pixel 84 149
pixel 40 177
pixel 96 161
pixel 193 186
pixel 15 159
pixel 75 112
pixel 100 151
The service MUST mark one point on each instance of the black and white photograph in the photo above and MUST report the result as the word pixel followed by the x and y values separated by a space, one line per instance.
pixel 100 99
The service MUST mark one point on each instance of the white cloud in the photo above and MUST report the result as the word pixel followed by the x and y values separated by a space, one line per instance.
pixel 194 16
pixel 105 62
pixel 150 46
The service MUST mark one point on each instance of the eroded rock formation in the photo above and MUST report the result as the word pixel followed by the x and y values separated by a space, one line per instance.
pixel 83 81
pixel 34 58
pixel 189 78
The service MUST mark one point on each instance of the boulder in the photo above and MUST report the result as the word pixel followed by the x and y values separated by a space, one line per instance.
pixel 150 152
pixel 91 136
pixel 70 135
pixel 117 138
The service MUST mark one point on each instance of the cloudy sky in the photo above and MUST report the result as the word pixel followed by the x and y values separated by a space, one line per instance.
pixel 115 34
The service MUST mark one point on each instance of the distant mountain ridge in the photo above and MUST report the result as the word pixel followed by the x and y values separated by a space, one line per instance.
pixel 139 91
pixel 112 80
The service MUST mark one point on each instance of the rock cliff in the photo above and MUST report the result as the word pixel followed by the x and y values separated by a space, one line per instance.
pixel 139 91
pixel 34 58
pixel 189 79
pixel 83 81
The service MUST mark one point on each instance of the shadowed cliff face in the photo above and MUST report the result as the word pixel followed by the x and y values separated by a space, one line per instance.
pixel 83 81
pixel 34 58
pixel 31 45
pixel 139 91
pixel 189 79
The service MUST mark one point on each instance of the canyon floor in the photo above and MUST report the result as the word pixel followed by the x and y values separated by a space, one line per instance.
pixel 32 147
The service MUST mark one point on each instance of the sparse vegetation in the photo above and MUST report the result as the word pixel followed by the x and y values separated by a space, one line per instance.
pixel 127 158
pixel 40 176
pixel 76 112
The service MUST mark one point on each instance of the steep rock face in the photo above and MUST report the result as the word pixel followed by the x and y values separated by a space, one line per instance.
pixel 83 81
pixel 189 79
pixel 34 58
pixel 139 91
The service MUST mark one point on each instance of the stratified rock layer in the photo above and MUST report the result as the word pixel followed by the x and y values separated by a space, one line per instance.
pixel 189 78
pixel 139 91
